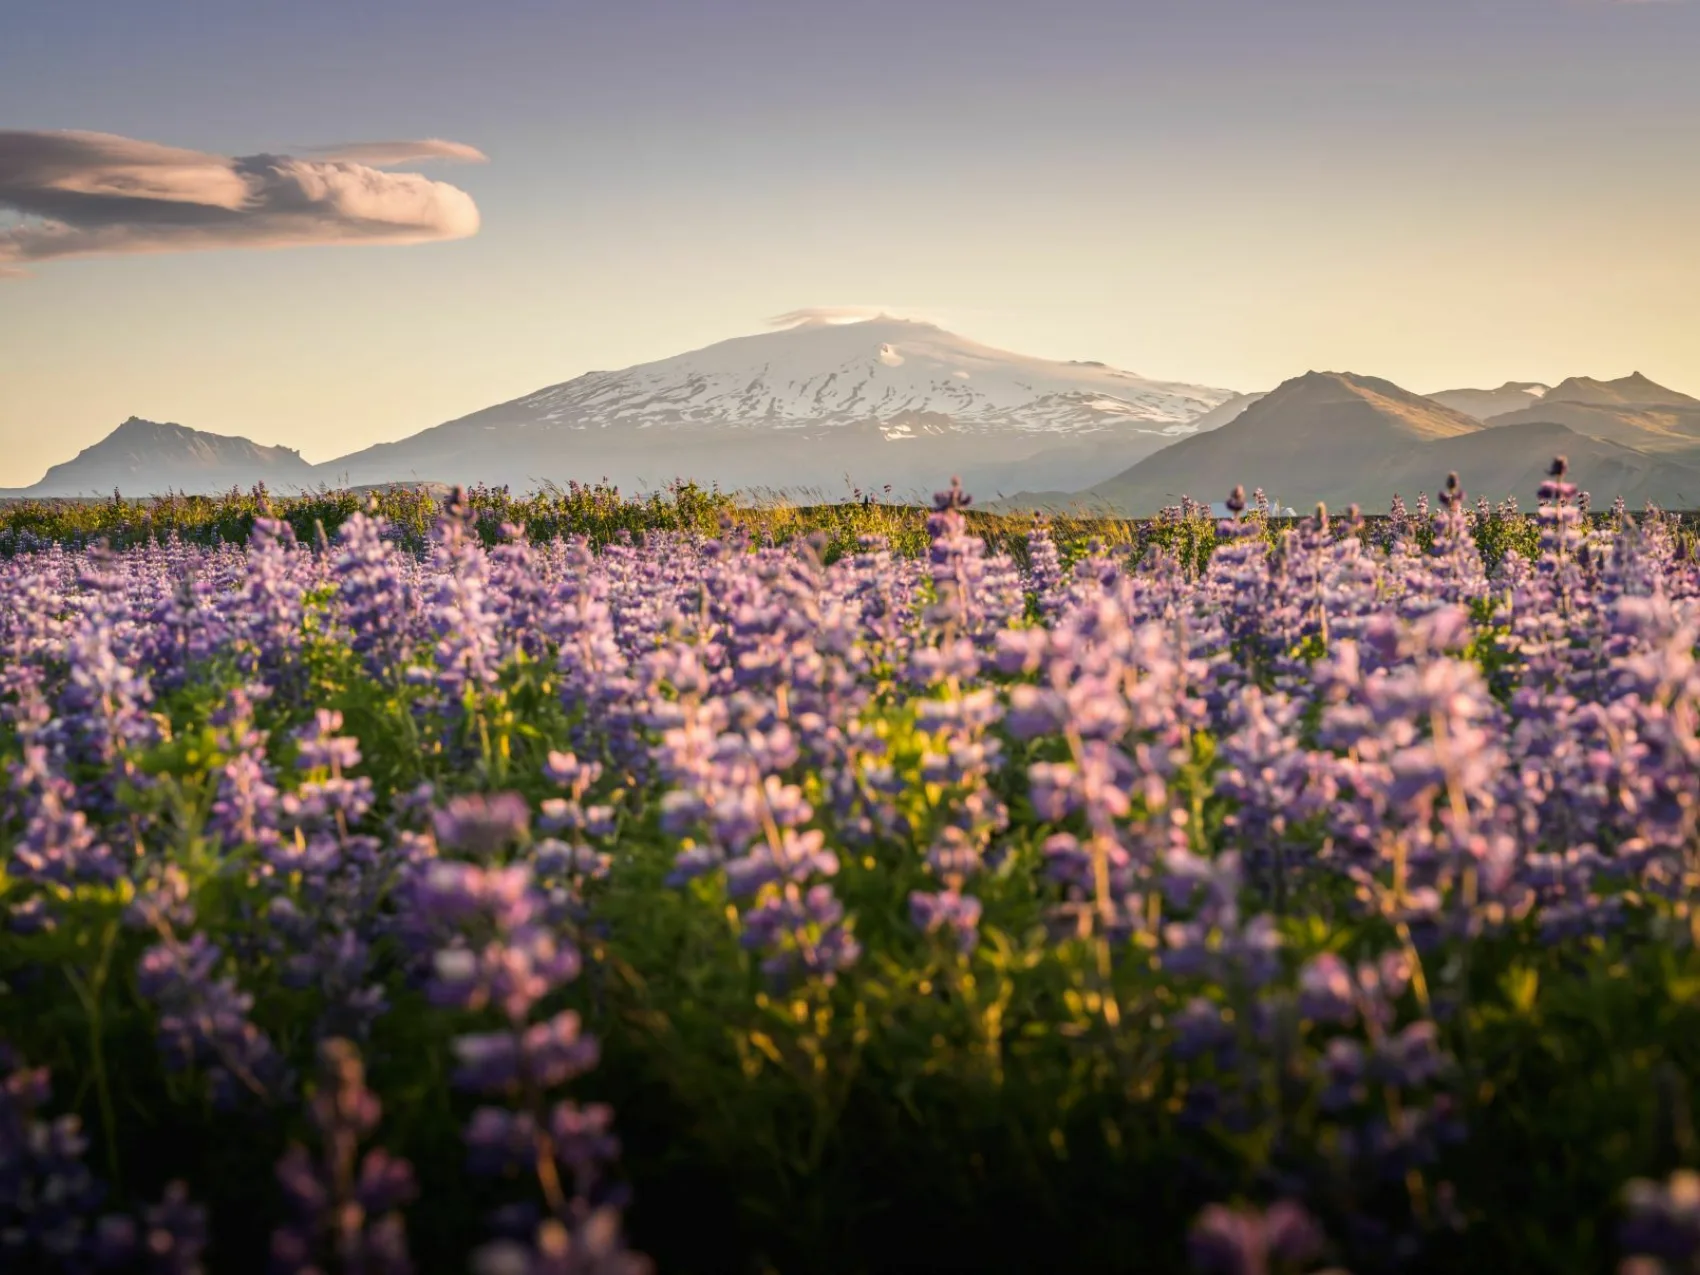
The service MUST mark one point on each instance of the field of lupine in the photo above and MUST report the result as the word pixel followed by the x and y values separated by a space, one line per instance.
pixel 657 885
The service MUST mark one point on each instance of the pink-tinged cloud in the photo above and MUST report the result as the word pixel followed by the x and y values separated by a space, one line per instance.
pixel 829 314
pixel 388 154
pixel 88 194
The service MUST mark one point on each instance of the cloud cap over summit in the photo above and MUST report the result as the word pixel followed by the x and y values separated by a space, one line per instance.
pixel 86 194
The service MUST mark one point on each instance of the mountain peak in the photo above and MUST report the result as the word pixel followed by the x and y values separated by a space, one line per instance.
pixel 139 427
pixel 1350 380
pixel 1633 411
pixel 1307 439
pixel 1346 392
pixel 145 457
pixel 1634 390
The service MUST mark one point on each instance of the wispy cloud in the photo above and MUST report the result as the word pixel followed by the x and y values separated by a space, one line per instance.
pixel 388 154
pixel 87 194
pixel 841 314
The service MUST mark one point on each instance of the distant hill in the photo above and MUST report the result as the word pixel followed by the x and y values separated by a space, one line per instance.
pixel 1513 460
pixel 1342 439
pixel 1309 437
pixel 1634 390
pixel 1633 410
pixel 1495 463
pixel 142 458
pixel 1513 396
pixel 1232 410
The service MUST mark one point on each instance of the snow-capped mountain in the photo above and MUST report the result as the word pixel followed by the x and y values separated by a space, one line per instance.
pixel 884 369
pixel 879 401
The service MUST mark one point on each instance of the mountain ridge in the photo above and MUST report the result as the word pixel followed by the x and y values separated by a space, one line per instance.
pixel 1634 390
pixel 161 456
pixel 1343 438
pixel 1632 411
pixel 1311 432
pixel 821 409
pixel 1483 404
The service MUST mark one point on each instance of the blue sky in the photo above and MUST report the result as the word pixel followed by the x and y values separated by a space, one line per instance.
pixel 1223 191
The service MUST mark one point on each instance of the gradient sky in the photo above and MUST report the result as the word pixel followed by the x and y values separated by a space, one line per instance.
pixel 1229 192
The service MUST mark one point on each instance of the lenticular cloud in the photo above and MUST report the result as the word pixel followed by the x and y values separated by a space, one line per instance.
pixel 84 194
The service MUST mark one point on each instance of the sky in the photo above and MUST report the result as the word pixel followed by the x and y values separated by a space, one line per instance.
pixel 382 214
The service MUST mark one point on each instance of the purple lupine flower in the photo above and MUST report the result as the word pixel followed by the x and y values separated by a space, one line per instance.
pixel 803 932
pixel 203 1021
pixel 345 1206
pixel 1226 1241
pixel 1661 1231
pixel 58 843
pixel 482 825
pixel 594 1247
pixel 464 618
pixel 502 953
pixel 173 1235
pixel 949 911
pixel 376 603
pixel 49 1199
